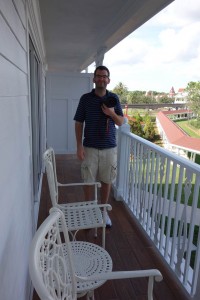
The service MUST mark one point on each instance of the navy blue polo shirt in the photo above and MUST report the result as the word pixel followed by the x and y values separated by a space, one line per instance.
pixel 99 130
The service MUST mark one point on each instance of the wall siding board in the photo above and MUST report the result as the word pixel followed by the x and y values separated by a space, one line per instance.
pixel 9 13
pixel 14 256
pixel 20 7
pixel 13 81
pixel 16 201
pixel 10 48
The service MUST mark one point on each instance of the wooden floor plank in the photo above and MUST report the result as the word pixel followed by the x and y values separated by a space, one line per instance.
pixel 125 242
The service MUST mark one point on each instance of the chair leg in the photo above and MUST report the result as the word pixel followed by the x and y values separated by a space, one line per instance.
pixel 103 237
pixel 90 295
pixel 74 235
pixel 104 228
pixel 71 235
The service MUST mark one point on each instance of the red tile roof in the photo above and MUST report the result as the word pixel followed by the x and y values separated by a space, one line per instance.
pixel 175 134
pixel 181 90
pixel 176 112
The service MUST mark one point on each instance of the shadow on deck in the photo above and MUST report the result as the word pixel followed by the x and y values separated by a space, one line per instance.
pixel 125 242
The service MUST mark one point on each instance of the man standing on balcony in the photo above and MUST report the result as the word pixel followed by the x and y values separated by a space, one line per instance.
pixel 97 113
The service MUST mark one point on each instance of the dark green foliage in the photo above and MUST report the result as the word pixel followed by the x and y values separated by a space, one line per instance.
pixel 149 131
pixel 193 89
pixel 143 127
pixel 166 99
pixel 121 90
pixel 139 118
pixel 136 128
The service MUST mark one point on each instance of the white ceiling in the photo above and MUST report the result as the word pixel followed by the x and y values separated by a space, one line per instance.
pixel 75 30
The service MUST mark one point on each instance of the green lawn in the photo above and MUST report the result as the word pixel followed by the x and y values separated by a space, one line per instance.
pixel 190 130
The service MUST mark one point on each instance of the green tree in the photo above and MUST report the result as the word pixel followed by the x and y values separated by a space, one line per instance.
pixel 193 89
pixel 121 90
pixel 147 117
pixel 165 99
pixel 136 127
pixel 135 97
pixel 139 118
pixel 149 131
pixel 148 99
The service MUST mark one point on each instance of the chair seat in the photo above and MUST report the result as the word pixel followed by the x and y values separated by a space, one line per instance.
pixel 64 270
pixel 89 259
pixel 82 215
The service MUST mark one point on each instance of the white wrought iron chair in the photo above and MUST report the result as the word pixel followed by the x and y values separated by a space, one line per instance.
pixel 64 270
pixel 78 215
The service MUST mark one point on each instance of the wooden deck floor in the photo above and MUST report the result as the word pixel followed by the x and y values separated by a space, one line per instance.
pixel 125 242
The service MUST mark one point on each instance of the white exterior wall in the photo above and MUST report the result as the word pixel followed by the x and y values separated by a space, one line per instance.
pixel 62 97
pixel 16 201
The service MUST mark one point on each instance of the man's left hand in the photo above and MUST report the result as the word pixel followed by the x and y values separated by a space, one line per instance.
pixel 108 110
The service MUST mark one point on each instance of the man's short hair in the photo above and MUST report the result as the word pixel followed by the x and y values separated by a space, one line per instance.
pixel 102 68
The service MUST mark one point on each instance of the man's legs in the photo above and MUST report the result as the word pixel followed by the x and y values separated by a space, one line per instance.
pixel 105 192
pixel 89 192
pixel 103 163
pixel 107 174
pixel 89 168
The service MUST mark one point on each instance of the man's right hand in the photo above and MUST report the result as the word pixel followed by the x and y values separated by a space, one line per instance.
pixel 80 153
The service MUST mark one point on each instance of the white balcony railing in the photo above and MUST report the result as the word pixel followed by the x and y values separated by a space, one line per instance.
pixel 162 190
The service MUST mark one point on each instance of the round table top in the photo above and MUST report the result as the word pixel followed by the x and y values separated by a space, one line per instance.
pixel 90 260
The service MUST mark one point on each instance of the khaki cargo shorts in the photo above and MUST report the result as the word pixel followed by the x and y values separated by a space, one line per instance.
pixel 99 165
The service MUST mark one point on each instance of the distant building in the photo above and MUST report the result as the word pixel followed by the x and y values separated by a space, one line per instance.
pixel 149 93
pixel 173 137
pixel 160 96
pixel 172 92
pixel 181 96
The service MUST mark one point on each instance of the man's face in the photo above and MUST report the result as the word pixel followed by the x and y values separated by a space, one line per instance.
pixel 101 79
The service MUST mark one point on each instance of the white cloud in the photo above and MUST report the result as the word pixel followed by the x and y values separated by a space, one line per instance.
pixel 182 44
pixel 179 13
pixel 164 52
pixel 130 50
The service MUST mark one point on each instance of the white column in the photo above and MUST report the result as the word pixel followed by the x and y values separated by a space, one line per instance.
pixel 99 57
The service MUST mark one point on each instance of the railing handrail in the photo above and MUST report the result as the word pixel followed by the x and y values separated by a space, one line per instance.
pixel 162 190
pixel 173 156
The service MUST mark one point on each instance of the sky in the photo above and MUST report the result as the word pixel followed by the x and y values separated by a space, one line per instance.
pixel 162 53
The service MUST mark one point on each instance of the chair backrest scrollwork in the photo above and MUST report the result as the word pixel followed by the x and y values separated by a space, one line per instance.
pixel 51 271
